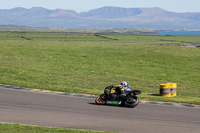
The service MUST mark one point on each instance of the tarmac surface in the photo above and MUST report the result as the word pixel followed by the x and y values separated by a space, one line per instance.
pixel 54 109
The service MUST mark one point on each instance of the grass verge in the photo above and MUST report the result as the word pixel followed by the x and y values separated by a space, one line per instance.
pixel 16 128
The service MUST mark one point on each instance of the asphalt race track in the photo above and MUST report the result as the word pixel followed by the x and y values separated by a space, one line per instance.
pixel 44 109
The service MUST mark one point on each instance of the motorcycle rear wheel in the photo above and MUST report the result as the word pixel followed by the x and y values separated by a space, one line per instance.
pixel 100 99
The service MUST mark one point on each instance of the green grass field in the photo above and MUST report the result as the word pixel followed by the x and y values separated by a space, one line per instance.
pixel 87 63
pixel 16 128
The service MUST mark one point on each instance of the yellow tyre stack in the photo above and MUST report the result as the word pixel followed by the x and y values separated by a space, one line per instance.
pixel 173 87
pixel 168 89
pixel 164 90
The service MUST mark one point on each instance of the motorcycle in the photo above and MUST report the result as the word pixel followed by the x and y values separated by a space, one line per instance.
pixel 113 98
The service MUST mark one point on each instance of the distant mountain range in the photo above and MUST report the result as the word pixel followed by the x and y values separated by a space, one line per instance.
pixel 101 18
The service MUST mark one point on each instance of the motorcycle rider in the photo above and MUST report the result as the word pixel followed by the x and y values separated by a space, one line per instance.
pixel 119 89
pixel 126 86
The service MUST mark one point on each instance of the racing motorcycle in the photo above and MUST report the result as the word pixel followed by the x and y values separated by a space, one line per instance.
pixel 114 98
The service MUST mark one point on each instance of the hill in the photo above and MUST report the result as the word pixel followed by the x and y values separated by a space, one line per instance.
pixel 103 18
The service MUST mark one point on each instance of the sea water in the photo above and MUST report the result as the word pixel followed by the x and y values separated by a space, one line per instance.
pixel 181 33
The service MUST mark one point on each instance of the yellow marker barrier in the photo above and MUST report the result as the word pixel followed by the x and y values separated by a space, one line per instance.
pixel 173 87
pixel 168 89
pixel 164 90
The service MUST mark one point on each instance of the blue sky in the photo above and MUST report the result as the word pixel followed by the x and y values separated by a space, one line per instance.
pixel 86 5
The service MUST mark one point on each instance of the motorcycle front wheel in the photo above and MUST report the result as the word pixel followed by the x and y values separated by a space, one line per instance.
pixel 131 102
pixel 100 99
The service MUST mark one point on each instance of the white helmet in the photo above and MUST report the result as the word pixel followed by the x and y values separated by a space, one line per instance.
pixel 124 83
